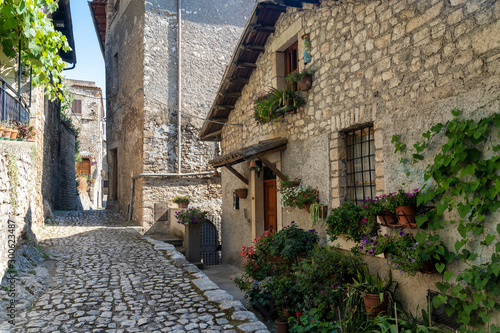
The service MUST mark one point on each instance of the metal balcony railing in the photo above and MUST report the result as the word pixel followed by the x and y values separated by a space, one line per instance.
pixel 12 108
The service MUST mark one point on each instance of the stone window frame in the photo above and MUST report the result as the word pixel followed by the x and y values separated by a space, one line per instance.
pixel 279 45
pixel 342 122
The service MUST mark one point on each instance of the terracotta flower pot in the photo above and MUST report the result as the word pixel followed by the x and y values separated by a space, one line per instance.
pixel 183 204
pixel 406 216
pixel 305 83
pixel 13 134
pixel 387 218
pixel 373 306
pixel 6 133
pixel 281 326
pixel 242 193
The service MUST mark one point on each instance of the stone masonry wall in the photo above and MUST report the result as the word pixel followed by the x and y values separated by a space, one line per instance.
pixel 400 65
pixel 18 197
pixel 124 57
pixel 210 30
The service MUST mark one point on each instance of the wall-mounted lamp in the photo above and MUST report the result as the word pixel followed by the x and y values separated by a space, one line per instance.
pixel 257 166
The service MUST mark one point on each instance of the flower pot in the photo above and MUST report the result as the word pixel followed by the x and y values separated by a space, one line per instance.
pixel 242 193
pixel 275 259
pixel 429 267
pixel 6 133
pixel 387 218
pixel 13 134
pixel 373 306
pixel 305 83
pixel 307 207
pixel 183 204
pixel 281 326
pixel 406 216
pixel 301 255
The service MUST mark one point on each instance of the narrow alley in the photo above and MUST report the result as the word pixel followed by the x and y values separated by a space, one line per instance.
pixel 110 278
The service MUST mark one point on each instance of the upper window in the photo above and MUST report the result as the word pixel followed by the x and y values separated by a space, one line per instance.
pixel 292 58
pixel 76 106
pixel 360 146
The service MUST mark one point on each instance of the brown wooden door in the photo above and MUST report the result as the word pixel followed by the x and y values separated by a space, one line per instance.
pixel 270 204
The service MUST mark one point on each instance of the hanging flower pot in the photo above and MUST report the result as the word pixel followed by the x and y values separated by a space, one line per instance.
pixel 429 267
pixel 406 216
pixel 373 306
pixel 242 193
pixel 305 83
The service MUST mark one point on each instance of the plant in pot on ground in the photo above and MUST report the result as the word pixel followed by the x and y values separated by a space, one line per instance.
pixel 348 220
pixel 375 291
pixel 292 241
pixel 322 277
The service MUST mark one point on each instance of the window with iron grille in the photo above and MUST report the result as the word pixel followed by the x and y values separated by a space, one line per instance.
pixel 360 145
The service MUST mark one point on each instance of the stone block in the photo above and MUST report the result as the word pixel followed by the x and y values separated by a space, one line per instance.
pixel 430 14
pixel 487 39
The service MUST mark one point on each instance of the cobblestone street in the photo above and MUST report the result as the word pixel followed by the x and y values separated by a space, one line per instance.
pixel 109 278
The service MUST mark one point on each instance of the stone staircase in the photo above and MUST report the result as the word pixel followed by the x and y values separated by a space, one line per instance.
pixel 170 239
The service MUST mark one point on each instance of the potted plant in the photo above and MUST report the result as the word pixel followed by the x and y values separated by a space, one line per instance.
pixel 7 130
pixel 300 196
pixel 25 131
pixel 292 241
pixel 406 207
pixel 286 298
pixel 375 291
pixel 181 201
pixel 302 78
pixel 192 216
pixel 323 275
pixel 373 245
pixel 193 219
pixel 348 220
pixel 265 105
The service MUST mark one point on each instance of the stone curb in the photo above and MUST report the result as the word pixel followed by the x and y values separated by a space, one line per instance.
pixel 210 290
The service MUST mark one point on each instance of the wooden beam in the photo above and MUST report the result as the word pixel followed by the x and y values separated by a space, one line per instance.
pixel 220 120
pixel 237 80
pixel 211 135
pixel 255 48
pixel 272 167
pixel 272 6
pixel 237 174
pixel 314 2
pixel 261 27
pixel 231 94
pixel 227 107
pixel 246 64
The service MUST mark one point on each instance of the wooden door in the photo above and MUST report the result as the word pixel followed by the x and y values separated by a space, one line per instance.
pixel 270 204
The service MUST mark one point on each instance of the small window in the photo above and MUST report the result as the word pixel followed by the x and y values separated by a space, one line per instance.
pixel 292 58
pixel 360 146
pixel 76 106
pixel 83 167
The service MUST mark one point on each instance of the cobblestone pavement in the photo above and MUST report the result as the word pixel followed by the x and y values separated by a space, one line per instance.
pixel 109 278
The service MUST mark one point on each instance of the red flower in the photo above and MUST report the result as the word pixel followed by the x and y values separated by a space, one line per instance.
pixel 298 314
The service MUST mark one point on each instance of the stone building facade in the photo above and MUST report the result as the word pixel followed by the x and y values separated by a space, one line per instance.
pixel 87 113
pixel 142 77
pixel 393 67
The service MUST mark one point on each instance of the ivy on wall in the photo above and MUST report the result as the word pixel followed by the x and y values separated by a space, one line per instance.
pixel 465 183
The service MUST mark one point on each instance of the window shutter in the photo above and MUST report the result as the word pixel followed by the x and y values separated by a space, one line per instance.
pixel 76 106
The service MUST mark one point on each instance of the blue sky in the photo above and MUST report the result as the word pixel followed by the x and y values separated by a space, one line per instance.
pixel 89 60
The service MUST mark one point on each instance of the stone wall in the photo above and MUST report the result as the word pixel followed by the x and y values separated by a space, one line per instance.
pixel 399 65
pixel 18 197
pixel 145 37
pixel 56 144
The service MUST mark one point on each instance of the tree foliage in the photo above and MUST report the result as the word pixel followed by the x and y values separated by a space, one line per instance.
pixel 27 22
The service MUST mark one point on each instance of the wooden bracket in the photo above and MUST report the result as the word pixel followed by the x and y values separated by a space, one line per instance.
pixel 272 167
pixel 237 174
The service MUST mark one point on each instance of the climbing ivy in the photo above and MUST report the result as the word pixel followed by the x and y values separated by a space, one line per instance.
pixel 464 181
pixel 26 21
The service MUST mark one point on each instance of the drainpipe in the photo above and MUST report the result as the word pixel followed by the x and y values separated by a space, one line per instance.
pixel 179 104
pixel 179 85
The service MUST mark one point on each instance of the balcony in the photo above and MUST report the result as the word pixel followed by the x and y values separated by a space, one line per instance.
pixel 12 106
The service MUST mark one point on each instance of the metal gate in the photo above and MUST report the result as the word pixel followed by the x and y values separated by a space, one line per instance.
pixel 211 241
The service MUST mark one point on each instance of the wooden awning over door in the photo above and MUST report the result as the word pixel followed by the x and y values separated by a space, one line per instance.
pixel 256 151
